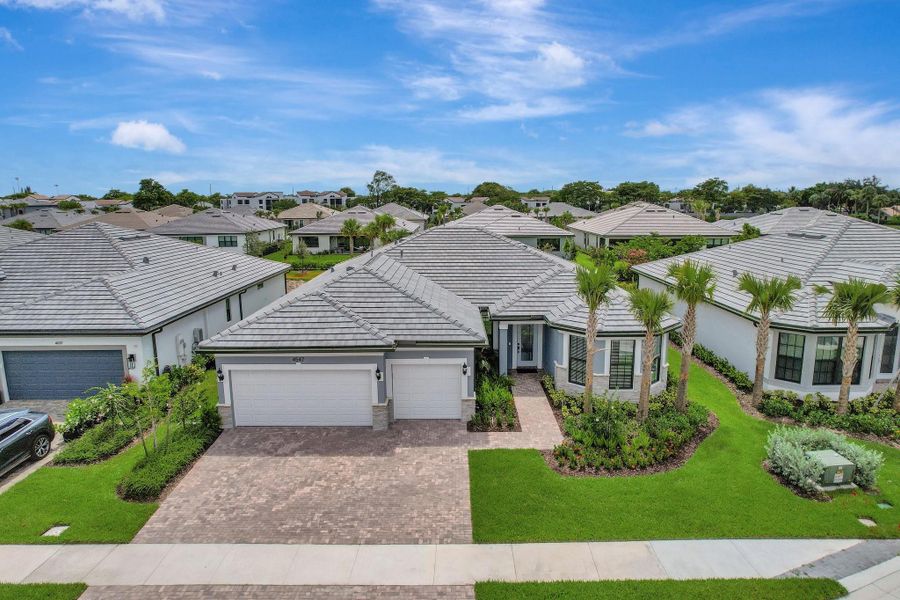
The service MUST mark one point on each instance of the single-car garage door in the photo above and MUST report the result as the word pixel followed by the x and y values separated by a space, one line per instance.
pixel 426 391
pixel 59 374
pixel 303 397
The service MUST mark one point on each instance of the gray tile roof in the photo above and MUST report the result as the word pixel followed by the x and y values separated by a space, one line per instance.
pixel 51 218
pixel 401 212
pixel 511 223
pixel 309 210
pixel 834 250
pixel 129 218
pixel 642 218
pixel 784 220
pixel 173 210
pixel 557 209
pixel 332 225
pixel 99 278
pixel 375 302
pixel 213 220
pixel 10 237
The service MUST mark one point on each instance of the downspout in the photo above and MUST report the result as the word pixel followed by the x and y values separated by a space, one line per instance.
pixel 155 353
pixel 241 304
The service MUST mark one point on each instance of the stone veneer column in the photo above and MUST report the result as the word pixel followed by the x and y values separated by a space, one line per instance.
pixel 381 416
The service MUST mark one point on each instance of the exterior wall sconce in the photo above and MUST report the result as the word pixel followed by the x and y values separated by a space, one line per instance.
pixel 378 374
pixel 220 375
pixel 465 368
pixel 132 362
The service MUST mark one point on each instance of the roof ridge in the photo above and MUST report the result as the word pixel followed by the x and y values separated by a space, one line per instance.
pixel 51 294
pixel 348 312
pixel 131 312
pixel 520 292
pixel 114 241
pixel 421 301
pixel 836 237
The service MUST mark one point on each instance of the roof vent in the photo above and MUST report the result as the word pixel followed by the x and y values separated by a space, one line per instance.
pixel 146 260
pixel 215 273
pixel 734 273
pixel 234 267
pixel 401 252
pixel 350 268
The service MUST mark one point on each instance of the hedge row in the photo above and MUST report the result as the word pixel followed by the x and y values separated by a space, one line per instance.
pixel 740 379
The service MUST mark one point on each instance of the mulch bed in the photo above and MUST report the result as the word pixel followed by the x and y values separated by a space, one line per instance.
pixel 517 426
pixel 673 462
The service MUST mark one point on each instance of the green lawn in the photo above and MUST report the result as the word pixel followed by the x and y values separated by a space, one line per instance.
pixel 41 591
pixel 706 589
pixel 584 260
pixel 722 491
pixel 84 498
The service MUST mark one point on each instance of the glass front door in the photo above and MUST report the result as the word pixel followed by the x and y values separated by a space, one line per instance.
pixel 525 347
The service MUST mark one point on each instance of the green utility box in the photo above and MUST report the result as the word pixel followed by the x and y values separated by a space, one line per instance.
pixel 838 470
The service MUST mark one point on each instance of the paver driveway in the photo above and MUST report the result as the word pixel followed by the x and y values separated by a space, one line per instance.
pixel 335 485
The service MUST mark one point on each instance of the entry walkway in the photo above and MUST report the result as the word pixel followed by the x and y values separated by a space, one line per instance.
pixel 407 565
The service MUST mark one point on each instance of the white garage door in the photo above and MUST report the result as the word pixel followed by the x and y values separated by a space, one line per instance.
pixel 427 391
pixel 302 397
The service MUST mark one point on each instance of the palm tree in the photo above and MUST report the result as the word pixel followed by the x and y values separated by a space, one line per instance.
pixel 650 308
pixel 379 228
pixel 594 285
pixel 851 301
pixel 351 229
pixel 766 295
pixel 694 283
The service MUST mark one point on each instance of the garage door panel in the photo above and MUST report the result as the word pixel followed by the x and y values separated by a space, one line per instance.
pixel 306 397
pixel 60 374
pixel 426 391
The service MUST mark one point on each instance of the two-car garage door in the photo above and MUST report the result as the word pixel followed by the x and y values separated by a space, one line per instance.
pixel 59 374
pixel 306 396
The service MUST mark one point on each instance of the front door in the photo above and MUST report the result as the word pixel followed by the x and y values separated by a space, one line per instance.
pixel 525 346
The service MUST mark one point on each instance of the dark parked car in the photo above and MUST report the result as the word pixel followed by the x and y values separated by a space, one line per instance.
pixel 24 434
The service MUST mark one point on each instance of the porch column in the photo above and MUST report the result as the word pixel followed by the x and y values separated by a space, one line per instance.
pixel 503 330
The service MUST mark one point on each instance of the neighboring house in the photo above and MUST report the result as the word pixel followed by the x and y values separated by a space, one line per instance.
pixel 51 220
pixel 87 307
pixel 455 201
pixel 174 210
pixel 12 207
pixel 517 226
pixel 890 211
pixel 558 209
pixel 252 201
pixel 237 199
pixel 324 236
pixel 129 218
pixel 637 219
pixel 784 220
pixel 10 237
pixel 535 202
pixel 392 335
pixel 805 346
pixel 336 200
pixel 399 211
pixel 112 203
pixel 475 205
pixel 223 229
pixel 681 205
pixel 303 214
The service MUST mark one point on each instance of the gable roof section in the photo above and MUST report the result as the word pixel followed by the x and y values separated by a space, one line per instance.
pixel 510 223
pixel 104 279
pixel 375 303
pixel 174 210
pixel 213 221
pixel 130 218
pixel 833 251
pixel 558 209
pixel 10 236
pixel 642 218
pixel 784 220
pixel 400 211
pixel 307 211
pixel 332 225
pixel 51 218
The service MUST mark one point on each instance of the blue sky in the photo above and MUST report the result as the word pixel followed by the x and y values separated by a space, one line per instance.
pixel 445 94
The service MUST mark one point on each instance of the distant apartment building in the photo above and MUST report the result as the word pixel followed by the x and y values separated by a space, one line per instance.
pixel 246 202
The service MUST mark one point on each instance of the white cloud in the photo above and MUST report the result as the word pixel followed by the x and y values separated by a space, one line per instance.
pixel 549 106
pixel 133 9
pixel 6 37
pixel 147 136
pixel 783 137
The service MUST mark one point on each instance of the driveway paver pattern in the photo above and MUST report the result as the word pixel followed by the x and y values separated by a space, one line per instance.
pixel 341 485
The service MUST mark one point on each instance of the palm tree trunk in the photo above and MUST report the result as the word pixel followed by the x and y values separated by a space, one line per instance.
pixel 590 347
pixel 646 361
pixel 849 364
pixel 688 333
pixel 762 345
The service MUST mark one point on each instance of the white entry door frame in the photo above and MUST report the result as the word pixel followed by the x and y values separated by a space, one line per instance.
pixel 527 344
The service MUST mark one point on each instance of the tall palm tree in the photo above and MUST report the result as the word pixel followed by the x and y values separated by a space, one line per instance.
pixel 766 295
pixel 851 301
pixel 380 227
pixel 594 286
pixel 650 308
pixel 694 283
pixel 351 229
pixel 895 300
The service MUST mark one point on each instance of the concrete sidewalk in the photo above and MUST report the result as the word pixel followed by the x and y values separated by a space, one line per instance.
pixel 264 564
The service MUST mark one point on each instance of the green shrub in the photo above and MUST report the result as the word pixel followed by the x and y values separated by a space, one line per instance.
pixel 84 413
pixel 153 473
pixel 612 438
pixel 97 443
pixel 872 414
pixel 494 405
pixel 786 450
